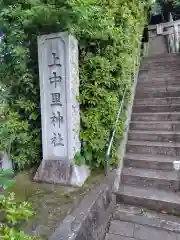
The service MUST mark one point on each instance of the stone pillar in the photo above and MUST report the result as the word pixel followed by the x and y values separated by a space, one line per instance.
pixel 60 117
pixel 176 38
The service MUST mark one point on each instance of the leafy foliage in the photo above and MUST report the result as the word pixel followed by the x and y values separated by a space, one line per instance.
pixel 172 6
pixel 4 181
pixel 17 139
pixel 12 213
pixel 156 8
pixel 109 33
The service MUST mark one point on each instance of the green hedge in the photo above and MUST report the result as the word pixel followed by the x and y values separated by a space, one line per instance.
pixel 109 32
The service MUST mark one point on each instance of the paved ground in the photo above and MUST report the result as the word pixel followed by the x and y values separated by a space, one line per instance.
pixel 130 231
pixel 134 223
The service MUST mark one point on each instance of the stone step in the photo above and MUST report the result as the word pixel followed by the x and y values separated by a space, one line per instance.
pixel 165 80
pixel 158 92
pixel 166 116
pixel 154 135
pixel 155 79
pixel 157 101
pixel 110 236
pixel 158 72
pixel 154 148
pixel 161 64
pixel 156 108
pixel 162 58
pixel 159 89
pixel 150 178
pixel 149 161
pixel 152 69
pixel 173 67
pixel 145 217
pixel 159 126
pixel 146 83
pixel 165 57
pixel 153 199
pixel 160 61
pixel 122 230
pixel 173 59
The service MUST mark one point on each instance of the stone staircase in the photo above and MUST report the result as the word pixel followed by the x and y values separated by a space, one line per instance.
pixel 148 179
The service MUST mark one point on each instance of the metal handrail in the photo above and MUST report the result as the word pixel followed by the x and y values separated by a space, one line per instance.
pixel 113 134
pixel 115 125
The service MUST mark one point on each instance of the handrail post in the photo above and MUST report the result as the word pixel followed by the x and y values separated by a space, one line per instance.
pixel 107 164
pixel 171 38
pixel 176 38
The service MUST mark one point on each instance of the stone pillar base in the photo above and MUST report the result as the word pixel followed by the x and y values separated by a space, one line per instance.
pixel 79 175
pixel 60 172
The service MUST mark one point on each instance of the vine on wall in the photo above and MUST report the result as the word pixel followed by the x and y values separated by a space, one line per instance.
pixel 108 34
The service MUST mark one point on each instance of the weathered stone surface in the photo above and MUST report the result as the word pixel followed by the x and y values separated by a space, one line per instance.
pixel 169 107
pixel 148 178
pixel 149 162
pixel 54 171
pixel 155 92
pixel 79 175
pixel 59 88
pixel 167 116
pixel 143 216
pixel 110 236
pixel 5 162
pixel 154 135
pixel 90 219
pixel 147 233
pixel 122 228
pixel 158 126
pixel 158 101
pixel 160 179
pixel 150 198
pixel 154 148
pixel 137 223
pixel 59 85
pixel 157 45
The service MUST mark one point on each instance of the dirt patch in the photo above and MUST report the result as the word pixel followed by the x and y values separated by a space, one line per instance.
pixel 50 202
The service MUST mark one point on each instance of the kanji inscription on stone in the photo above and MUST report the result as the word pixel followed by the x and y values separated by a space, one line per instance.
pixel 55 61
pixel 60 118
pixel 55 79
pixel 56 99
pixel 57 119
pixel 57 140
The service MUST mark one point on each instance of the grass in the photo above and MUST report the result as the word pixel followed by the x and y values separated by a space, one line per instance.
pixel 50 202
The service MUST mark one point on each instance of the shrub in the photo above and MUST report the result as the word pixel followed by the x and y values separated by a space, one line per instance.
pixel 109 32
pixel 17 139
pixel 12 213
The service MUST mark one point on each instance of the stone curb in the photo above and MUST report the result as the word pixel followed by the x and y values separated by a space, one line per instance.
pixel 122 146
pixel 90 219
